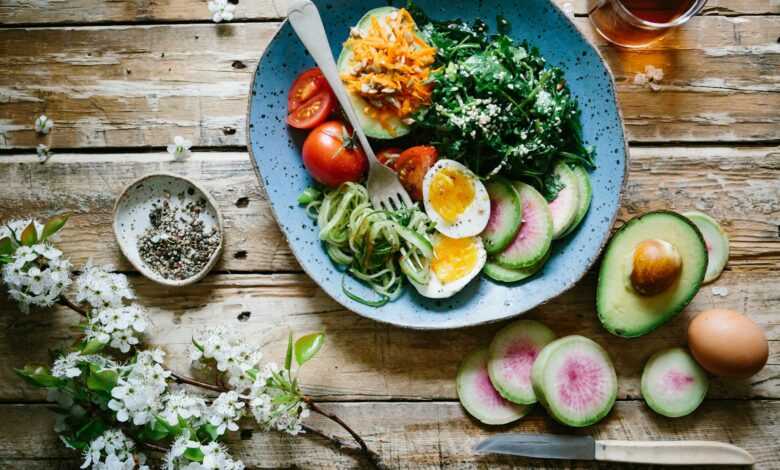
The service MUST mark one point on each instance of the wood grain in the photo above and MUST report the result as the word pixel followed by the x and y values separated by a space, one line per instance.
pixel 138 86
pixel 429 436
pixel 367 360
pixel 144 11
pixel 738 186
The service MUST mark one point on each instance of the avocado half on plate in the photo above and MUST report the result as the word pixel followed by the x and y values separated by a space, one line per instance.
pixel 393 127
pixel 652 268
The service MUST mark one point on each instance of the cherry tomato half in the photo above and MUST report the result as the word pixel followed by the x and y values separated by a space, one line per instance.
pixel 332 157
pixel 314 111
pixel 412 165
pixel 388 156
pixel 306 85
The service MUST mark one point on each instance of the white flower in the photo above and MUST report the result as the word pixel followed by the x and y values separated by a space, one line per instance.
pixel 137 394
pixel 180 148
pixel 119 327
pixel 215 456
pixel 234 356
pixel 221 10
pixel 650 77
pixel 181 404
pixel 43 124
pixel 225 412
pixel 284 415
pixel 44 153
pixel 36 275
pixel 66 367
pixel 100 288
pixel 653 73
pixel 112 450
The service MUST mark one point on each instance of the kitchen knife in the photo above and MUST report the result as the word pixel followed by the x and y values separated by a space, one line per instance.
pixel 549 446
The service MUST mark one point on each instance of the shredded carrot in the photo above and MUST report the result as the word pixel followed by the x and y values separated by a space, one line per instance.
pixel 390 67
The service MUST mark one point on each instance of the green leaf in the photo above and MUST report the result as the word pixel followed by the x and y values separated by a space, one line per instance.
pixel 74 443
pixel 193 454
pixel 5 259
pixel 39 376
pixel 209 431
pixel 54 225
pixel 308 346
pixel 92 346
pixel 6 246
pixel 288 356
pixel 29 235
pixel 157 429
pixel 91 430
pixel 197 345
pixel 101 380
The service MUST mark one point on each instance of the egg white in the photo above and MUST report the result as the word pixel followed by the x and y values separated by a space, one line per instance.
pixel 435 289
pixel 474 219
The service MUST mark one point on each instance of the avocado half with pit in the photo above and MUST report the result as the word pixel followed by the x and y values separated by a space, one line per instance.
pixel 652 268
pixel 393 127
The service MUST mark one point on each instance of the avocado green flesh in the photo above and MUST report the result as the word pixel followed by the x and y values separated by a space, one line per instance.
pixel 622 310
pixel 372 127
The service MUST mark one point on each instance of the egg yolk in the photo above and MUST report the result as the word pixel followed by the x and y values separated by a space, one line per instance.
pixel 451 193
pixel 453 258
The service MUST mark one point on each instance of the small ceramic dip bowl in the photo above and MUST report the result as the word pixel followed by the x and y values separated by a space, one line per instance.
pixel 132 219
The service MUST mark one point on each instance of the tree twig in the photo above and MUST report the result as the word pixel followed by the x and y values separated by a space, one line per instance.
pixel 67 302
pixel 372 456
pixel 155 447
pixel 183 379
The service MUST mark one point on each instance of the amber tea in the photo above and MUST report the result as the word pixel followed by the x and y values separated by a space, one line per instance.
pixel 636 23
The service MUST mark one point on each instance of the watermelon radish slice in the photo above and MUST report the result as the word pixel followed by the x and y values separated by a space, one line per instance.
pixel 499 273
pixel 533 240
pixel 715 239
pixel 586 195
pixel 538 368
pixel 577 381
pixel 512 354
pixel 564 206
pixel 673 384
pixel 506 214
pixel 478 396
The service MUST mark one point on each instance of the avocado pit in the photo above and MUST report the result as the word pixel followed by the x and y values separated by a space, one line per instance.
pixel 656 265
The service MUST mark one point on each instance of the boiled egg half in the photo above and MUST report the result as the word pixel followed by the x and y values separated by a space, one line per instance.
pixel 455 199
pixel 456 261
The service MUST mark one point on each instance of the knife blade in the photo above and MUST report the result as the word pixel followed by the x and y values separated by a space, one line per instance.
pixel 544 446
pixel 550 446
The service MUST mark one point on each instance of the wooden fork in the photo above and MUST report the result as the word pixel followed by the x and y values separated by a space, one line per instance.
pixel 384 189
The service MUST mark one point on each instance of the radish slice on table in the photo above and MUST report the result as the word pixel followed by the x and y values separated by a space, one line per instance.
pixel 576 380
pixel 512 354
pixel 716 240
pixel 673 384
pixel 478 396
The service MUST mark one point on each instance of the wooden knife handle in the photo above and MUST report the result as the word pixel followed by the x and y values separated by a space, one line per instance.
pixel 672 453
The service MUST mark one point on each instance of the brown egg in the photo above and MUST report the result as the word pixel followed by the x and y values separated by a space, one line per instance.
pixel 727 343
pixel 656 265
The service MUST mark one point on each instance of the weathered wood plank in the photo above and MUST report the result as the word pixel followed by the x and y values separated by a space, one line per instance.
pixel 137 86
pixel 429 436
pixel 94 11
pixel 739 186
pixel 364 359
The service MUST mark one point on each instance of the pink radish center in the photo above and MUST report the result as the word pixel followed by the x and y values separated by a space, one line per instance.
pixel 494 221
pixel 519 359
pixel 677 381
pixel 490 396
pixel 527 227
pixel 580 383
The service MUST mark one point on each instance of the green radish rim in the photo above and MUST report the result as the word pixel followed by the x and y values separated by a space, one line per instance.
pixel 500 273
pixel 673 383
pixel 578 359
pixel 715 239
pixel 478 396
pixel 534 238
pixel 586 196
pixel 538 368
pixel 506 215
pixel 513 351
pixel 566 203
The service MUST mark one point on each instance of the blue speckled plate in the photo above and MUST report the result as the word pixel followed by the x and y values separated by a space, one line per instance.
pixel 275 151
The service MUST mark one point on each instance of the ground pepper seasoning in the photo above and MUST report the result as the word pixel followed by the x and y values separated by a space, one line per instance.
pixel 178 245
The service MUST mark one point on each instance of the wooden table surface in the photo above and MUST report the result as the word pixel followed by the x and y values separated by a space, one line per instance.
pixel 121 78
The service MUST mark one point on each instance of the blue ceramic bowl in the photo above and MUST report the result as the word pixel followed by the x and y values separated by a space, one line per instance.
pixel 275 151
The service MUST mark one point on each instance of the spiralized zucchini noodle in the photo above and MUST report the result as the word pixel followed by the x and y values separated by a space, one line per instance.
pixel 375 245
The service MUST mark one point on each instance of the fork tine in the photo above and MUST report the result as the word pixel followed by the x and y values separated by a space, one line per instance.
pixel 406 200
